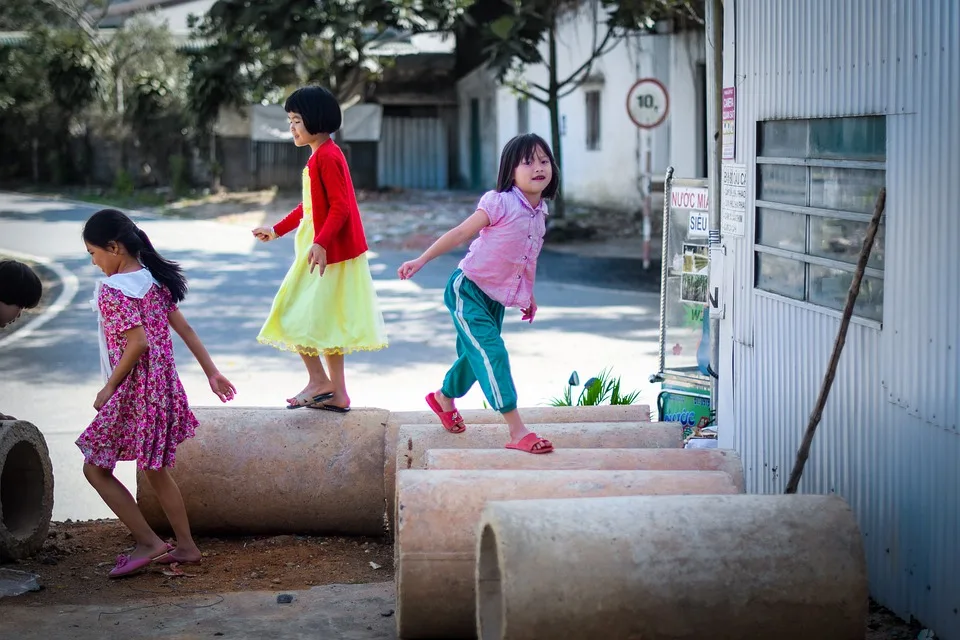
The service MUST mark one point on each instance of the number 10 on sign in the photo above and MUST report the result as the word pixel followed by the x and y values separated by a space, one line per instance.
pixel 648 103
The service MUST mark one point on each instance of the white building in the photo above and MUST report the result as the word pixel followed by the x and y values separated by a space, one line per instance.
pixel 834 100
pixel 604 153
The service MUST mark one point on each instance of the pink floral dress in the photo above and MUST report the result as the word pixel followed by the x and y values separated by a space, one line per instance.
pixel 148 415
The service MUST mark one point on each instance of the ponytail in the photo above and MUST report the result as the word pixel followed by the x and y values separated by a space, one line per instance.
pixel 110 225
pixel 166 272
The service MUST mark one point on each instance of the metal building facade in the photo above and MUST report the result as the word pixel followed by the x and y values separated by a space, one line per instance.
pixel 889 440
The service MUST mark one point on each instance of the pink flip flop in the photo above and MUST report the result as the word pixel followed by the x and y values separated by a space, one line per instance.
pixel 452 421
pixel 126 565
pixel 529 442
pixel 168 558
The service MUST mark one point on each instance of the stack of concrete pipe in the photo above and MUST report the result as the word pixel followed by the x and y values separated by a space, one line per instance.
pixel 278 471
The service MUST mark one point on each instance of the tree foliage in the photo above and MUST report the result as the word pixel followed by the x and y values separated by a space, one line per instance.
pixel 257 51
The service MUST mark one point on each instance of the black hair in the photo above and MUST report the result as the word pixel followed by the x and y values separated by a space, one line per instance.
pixel 110 225
pixel 317 107
pixel 19 285
pixel 521 149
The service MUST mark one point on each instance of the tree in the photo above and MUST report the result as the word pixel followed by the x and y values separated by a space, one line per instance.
pixel 259 50
pixel 515 40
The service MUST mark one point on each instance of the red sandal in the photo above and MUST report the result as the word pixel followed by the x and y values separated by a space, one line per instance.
pixel 529 442
pixel 452 421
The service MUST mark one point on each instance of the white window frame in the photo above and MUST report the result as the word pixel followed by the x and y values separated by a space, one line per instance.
pixel 809 212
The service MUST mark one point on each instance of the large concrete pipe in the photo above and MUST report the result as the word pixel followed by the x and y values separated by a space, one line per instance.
pixel 531 415
pixel 279 471
pixel 26 489
pixel 789 567
pixel 438 514
pixel 726 460
pixel 415 440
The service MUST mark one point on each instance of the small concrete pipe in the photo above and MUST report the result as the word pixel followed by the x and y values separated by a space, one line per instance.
pixel 436 540
pixel 26 489
pixel 531 416
pixel 789 567
pixel 416 439
pixel 726 460
pixel 279 471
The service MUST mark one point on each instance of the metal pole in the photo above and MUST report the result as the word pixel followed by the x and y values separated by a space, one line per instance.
pixel 714 41
pixel 664 266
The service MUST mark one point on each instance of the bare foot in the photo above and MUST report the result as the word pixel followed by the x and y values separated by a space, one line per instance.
pixel 447 404
pixel 312 391
pixel 339 399
pixel 185 555
pixel 148 551
pixel 519 434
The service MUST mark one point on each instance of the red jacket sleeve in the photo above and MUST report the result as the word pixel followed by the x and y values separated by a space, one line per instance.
pixel 290 222
pixel 333 181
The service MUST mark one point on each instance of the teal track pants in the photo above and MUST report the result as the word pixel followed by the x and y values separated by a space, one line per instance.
pixel 482 356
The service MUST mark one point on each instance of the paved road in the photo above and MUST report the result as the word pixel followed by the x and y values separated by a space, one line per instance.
pixel 50 376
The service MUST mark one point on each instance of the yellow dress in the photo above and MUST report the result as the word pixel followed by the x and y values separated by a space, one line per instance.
pixel 337 313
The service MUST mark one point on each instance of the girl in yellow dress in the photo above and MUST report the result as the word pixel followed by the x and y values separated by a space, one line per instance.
pixel 326 304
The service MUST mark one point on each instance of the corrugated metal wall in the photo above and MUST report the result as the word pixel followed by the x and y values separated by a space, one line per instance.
pixel 889 439
pixel 413 153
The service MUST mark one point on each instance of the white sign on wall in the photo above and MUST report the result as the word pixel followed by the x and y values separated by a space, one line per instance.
pixel 733 199
pixel 648 103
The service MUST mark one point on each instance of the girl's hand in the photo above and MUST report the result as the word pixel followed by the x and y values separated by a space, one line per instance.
pixel 530 311
pixel 105 394
pixel 222 387
pixel 317 257
pixel 410 267
pixel 265 234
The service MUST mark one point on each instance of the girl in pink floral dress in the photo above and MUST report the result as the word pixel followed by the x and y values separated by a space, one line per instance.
pixel 142 410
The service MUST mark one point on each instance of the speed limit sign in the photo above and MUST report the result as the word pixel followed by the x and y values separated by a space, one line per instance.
pixel 648 103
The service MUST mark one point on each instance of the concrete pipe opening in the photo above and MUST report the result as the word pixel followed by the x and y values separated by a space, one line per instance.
pixel 489 595
pixel 26 490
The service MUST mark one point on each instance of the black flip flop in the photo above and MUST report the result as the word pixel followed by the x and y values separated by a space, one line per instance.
pixel 331 407
pixel 316 400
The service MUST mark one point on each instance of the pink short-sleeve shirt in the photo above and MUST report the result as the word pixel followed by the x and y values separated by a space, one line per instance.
pixel 502 261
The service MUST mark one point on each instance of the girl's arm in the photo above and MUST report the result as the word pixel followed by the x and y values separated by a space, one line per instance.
pixel 288 224
pixel 218 382
pixel 328 177
pixel 136 346
pixel 447 242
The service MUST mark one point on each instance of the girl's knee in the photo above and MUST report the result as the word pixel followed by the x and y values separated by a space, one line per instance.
pixel 95 474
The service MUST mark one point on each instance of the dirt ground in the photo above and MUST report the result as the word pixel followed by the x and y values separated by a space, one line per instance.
pixel 74 562
pixel 76 557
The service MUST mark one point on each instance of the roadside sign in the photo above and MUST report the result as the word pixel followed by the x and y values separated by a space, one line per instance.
pixel 648 103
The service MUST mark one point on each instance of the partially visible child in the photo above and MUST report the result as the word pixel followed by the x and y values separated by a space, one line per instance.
pixel 326 304
pixel 142 410
pixel 498 272
pixel 20 288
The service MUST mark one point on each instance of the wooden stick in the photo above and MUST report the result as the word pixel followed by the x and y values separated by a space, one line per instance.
pixel 804 452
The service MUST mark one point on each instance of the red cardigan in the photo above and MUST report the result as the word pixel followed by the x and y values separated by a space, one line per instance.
pixel 336 216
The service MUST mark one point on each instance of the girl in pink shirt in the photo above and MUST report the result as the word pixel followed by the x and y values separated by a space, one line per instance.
pixel 497 272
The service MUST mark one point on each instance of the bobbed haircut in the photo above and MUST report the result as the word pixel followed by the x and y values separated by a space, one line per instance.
pixel 19 285
pixel 522 149
pixel 317 107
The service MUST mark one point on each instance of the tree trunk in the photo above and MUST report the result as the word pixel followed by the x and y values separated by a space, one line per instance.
pixel 553 101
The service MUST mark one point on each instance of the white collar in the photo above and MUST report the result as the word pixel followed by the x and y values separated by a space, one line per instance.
pixel 135 284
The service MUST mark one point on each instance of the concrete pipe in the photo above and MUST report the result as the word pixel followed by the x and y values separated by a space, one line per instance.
pixel 726 460
pixel 279 471
pixel 436 540
pixel 415 440
pixel 790 567
pixel 26 489
pixel 531 415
